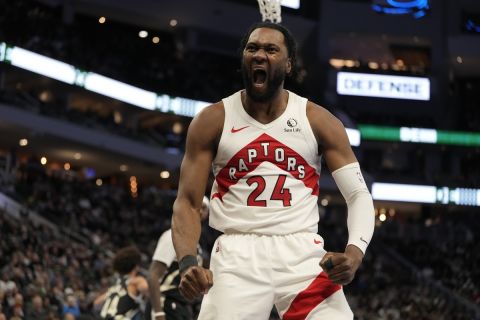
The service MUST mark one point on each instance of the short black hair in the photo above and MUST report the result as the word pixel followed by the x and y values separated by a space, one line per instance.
pixel 290 41
pixel 126 259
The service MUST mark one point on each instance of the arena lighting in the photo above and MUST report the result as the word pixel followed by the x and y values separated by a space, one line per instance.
pixel 470 25
pixel 404 192
pixel 417 8
pixel 353 136
pixel 293 4
pixel 165 174
pixel 425 194
pixel 180 106
pixel 383 86
pixel 419 135
pixel 40 64
pixel 112 88
pixel 23 142
pixel 3 49
pixel 120 91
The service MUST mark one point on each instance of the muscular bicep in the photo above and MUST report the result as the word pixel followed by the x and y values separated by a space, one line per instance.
pixel 202 139
pixel 331 137
pixel 197 161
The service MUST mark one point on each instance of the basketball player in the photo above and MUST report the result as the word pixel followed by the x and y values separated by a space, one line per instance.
pixel 166 301
pixel 265 144
pixel 126 299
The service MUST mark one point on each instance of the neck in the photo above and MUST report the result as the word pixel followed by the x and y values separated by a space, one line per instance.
pixel 268 110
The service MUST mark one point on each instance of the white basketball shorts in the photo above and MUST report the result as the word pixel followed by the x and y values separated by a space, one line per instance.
pixel 252 273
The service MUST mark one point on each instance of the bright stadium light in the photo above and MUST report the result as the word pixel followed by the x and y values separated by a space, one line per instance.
pixel 120 91
pixel 3 49
pixel 42 65
pixel 293 4
pixel 425 194
pixel 353 136
pixel 404 192
pixel 181 106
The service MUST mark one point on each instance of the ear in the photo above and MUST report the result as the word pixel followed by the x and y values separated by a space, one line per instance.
pixel 289 66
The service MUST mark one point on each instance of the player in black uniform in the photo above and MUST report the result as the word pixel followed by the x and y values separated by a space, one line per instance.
pixel 167 302
pixel 125 300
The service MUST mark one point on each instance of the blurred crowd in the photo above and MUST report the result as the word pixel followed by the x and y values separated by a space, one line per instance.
pixel 444 247
pixel 51 274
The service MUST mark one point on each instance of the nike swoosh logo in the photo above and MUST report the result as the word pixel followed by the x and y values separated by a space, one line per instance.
pixel 317 241
pixel 363 240
pixel 239 129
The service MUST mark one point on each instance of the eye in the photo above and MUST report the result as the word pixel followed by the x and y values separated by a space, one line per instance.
pixel 272 50
pixel 250 48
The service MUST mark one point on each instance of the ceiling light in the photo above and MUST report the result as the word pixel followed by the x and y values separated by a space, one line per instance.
pixel 164 174
pixel 155 40
pixel 177 128
pixel 173 22
pixel 98 182
pixel 23 142
pixel 77 156
pixel 66 166
pixel 143 34
pixel 43 160
pixel 337 63
pixel 123 167
pixel 373 65
pixel 102 20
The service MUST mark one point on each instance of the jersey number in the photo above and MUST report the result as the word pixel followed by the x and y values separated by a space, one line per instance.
pixel 279 192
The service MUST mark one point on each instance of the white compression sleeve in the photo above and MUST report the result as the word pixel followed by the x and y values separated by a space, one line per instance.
pixel 361 214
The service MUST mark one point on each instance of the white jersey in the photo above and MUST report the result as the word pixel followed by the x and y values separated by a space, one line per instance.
pixel 266 175
pixel 165 252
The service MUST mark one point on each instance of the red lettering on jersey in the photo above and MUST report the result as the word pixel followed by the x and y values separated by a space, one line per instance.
pixel 252 159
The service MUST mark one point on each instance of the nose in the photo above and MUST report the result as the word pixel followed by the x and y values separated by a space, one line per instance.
pixel 260 54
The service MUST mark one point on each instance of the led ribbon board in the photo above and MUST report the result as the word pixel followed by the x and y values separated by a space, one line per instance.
pixel 383 86
pixel 112 88
pixel 419 135
pixel 417 8
pixel 425 194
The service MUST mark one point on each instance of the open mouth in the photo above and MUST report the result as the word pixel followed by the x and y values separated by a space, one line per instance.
pixel 259 77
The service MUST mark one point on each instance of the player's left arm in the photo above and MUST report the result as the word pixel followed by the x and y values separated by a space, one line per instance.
pixel 341 161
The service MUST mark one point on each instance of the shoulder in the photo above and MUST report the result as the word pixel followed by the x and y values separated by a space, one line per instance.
pixel 211 112
pixel 320 114
pixel 324 124
pixel 207 125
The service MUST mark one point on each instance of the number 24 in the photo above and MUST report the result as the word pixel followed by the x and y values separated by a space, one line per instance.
pixel 279 192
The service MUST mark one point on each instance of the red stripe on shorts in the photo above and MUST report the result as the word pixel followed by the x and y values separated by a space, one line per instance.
pixel 320 289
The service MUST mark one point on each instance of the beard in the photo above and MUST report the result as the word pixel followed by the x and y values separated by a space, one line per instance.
pixel 273 82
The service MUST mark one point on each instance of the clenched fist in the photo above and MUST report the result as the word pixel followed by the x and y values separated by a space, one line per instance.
pixel 195 281
pixel 341 267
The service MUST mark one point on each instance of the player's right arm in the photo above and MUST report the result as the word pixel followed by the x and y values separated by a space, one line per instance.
pixel 202 140
pixel 155 274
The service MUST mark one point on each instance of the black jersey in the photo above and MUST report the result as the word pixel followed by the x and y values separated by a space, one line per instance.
pixel 119 305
